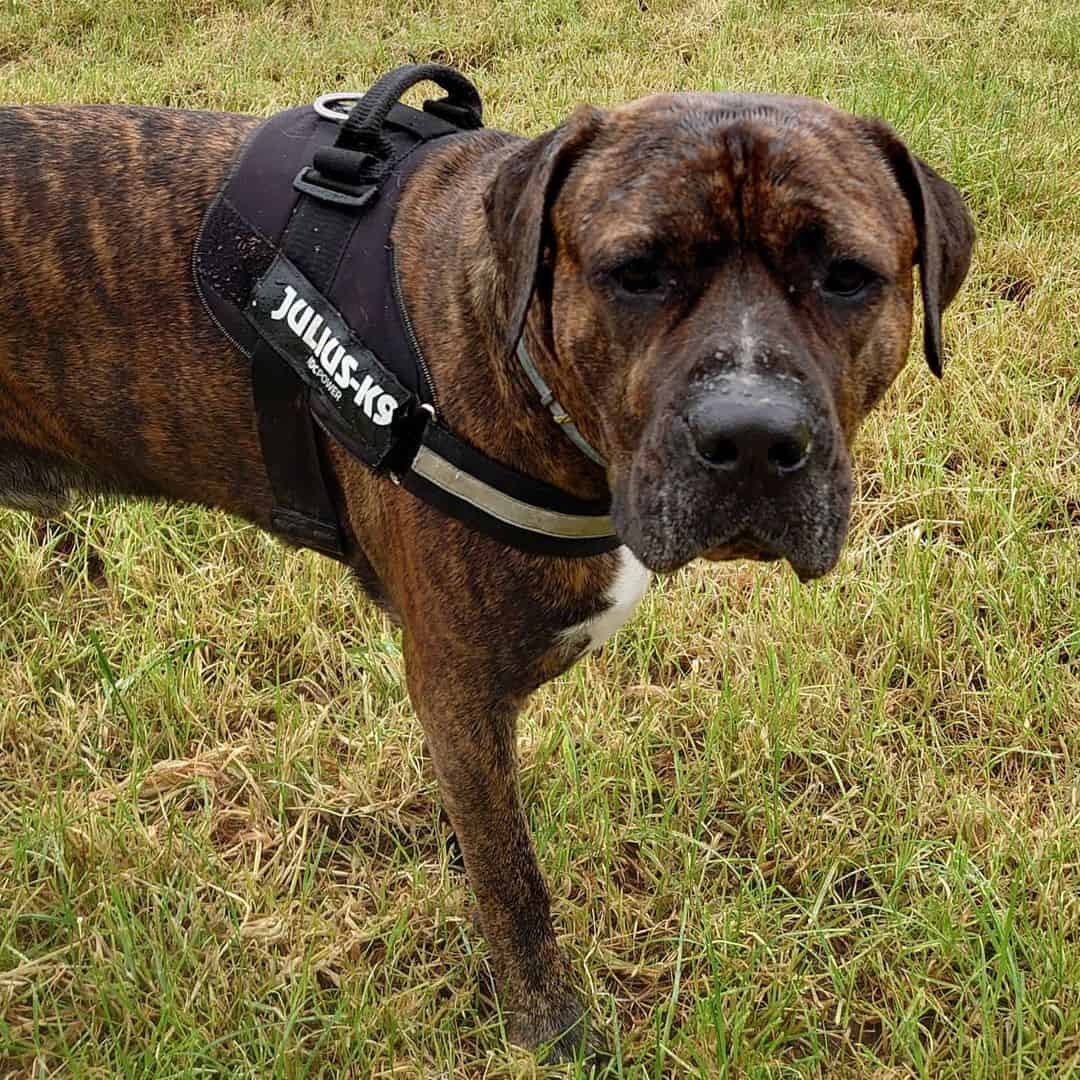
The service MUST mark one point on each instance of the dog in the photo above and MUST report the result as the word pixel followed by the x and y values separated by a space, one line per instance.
pixel 718 288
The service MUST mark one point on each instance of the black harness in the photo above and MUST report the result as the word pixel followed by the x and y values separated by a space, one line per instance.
pixel 294 263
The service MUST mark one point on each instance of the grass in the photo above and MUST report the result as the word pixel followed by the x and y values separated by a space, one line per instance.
pixel 789 831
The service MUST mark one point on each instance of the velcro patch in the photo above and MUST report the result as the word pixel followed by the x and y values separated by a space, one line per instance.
pixel 348 382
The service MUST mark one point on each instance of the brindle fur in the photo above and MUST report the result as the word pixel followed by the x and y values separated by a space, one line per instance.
pixel 112 377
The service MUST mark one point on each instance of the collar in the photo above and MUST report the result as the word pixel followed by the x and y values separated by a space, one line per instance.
pixel 558 413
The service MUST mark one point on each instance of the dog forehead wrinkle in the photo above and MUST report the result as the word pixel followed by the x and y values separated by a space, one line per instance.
pixel 713 176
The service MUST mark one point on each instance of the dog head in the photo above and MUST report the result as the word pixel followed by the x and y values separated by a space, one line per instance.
pixel 725 286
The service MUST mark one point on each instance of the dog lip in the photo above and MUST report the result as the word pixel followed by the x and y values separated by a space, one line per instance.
pixel 740 548
pixel 747 545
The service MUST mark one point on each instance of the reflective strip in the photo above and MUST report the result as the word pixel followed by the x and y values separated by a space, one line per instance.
pixel 505 508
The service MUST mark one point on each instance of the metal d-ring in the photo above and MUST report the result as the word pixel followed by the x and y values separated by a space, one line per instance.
pixel 333 106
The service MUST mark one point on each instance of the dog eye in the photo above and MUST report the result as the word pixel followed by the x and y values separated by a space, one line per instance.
pixel 847 277
pixel 639 277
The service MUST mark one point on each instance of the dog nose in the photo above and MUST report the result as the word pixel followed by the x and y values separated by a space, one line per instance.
pixel 755 431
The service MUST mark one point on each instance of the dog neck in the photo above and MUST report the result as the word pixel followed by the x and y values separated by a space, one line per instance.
pixel 483 394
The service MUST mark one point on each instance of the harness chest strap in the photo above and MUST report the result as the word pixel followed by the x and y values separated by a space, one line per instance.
pixel 320 313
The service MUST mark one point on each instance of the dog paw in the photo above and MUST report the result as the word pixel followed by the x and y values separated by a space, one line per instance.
pixel 559 1034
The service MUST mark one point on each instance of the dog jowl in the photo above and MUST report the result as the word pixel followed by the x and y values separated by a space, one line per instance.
pixel 717 289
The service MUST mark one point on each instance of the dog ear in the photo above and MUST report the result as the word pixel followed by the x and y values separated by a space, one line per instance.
pixel 519 200
pixel 944 229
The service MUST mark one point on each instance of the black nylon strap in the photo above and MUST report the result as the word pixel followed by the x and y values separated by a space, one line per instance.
pixel 363 128
pixel 350 388
pixel 303 509
pixel 522 539
pixel 525 488
pixel 315 240
pixel 483 516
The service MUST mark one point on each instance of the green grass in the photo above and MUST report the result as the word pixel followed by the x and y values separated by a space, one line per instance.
pixel 789 831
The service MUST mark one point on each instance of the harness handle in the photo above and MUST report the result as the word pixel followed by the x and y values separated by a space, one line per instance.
pixel 362 129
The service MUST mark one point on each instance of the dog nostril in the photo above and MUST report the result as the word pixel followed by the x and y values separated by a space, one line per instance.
pixel 790 453
pixel 722 452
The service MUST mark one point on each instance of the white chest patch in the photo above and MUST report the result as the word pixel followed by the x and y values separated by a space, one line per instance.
pixel 624 595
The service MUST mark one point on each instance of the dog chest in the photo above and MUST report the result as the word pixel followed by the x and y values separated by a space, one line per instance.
pixel 623 596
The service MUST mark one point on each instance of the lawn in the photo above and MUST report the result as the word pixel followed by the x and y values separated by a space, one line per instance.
pixel 789 831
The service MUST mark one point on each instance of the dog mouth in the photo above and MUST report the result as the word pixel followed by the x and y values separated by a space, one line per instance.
pixel 669 523
pixel 754 549
pixel 742 547
pixel 751 548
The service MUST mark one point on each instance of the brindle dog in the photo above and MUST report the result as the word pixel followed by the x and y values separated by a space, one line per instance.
pixel 718 288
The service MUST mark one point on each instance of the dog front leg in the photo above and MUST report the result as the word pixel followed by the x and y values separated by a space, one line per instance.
pixel 470 735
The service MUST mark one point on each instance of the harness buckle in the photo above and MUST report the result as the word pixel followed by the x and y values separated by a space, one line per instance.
pixel 311 182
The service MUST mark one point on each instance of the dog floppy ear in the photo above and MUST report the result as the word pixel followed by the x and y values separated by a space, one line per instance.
pixel 519 200
pixel 944 230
